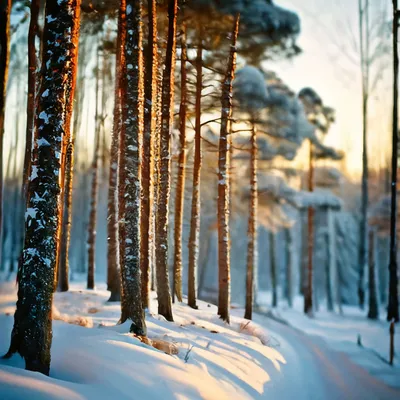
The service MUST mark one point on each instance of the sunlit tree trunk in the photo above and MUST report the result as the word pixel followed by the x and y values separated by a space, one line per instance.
pixel 252 258
pixel 32 333
pixel 180 186
pixel 223 182
pixel 308 294
pixel 194 234
pixel 167 108
pixel 131 144
pixel 150 95
pixel 5 11
pixel 92 234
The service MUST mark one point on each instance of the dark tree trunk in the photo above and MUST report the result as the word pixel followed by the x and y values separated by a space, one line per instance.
pixel 163 291
pixel 5 11
pixel 92 234
pixel 274 272
pixel 252 258
pixel 289 266
pixel 150 95
pixel 308 295
pixel 113 255
pixel 393 306
pixel 180 186
pixel 194 234
pixel 131 141
pixel 224 269
pixel 373 310
pixel 32 333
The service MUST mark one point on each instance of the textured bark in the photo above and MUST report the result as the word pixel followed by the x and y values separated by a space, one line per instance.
pixel 393 304
pixel 32 333
pixel 131 141
pixel 180 186
pixel 194 234
pixel 274 269
pixel 223 182
pixel 289 267
pixel 373 309
pixel 150 95
pixel 113 255
pixel 167 108
pixel 308 294
pixel 5 11
pixel 252 258
pixel 92 234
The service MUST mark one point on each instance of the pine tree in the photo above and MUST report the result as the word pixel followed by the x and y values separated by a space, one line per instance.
pixel 32 333
pixel 5 11
pixel 180 186
pixel 194 235
pixel 163 291
pixel 252 258
pixel 131 141
pixel 223 181
pixel 148 153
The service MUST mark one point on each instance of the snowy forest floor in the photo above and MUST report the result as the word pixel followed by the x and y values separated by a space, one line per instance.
pixel 93 358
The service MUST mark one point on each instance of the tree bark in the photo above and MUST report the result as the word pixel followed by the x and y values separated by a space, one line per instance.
pixel 252 258
pixel 180 187
pixel 150 95
pixel 5 12
pixel 223 182
pixel 132 135
pixel 373 310
pixel 308 295
pixel 32 333
pixel 194 234
pixel 92 234
pixel 163 291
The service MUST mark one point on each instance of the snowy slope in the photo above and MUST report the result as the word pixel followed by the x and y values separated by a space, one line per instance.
pixel 100 360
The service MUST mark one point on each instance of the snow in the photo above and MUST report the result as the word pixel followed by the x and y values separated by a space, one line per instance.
pixel 93 358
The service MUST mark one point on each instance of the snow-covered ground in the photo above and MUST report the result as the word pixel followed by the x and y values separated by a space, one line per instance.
pixel 93 358
pixel 344 333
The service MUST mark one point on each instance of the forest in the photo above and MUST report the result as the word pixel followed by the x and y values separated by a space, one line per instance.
pixel 179 221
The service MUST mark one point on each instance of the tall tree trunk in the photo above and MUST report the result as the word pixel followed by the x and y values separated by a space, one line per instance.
pixel 308 295
pixel 113 255
pixel 94 188
pixel 5 11
pixel 289 266
pixel 373 310
pixel 224 270
pixel 274 272
pixel 393 305
pixel 180 186
pixel 194 234
pixel 163 291
pixel 150 95
pixel 32 333
pixel 252 258
pixel 303 252
pixel 330 259
pixel 131 141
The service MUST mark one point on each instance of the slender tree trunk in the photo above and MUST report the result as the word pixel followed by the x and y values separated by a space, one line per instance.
pixel 331 259
pixel 131 141
pixel 223 182
pixel 5 11
pixel 303 252
pixel 180 187
pixel 373 310
pixel 163 291
pixel 194 234
pixel 252 258
pixel 32 334
pixel 150 95
pixel 289 266
pixel 393 305
pixel 274 272
pixel 92 234
pixel 113 255
pixel 308 295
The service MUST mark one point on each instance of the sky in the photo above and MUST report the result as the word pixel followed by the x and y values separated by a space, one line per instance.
pixel 325 39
